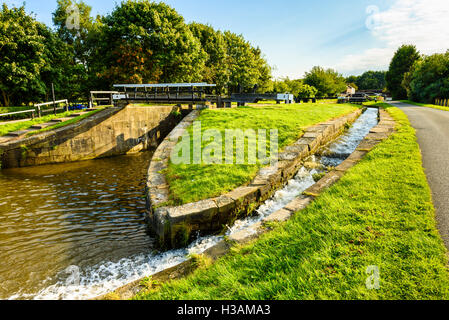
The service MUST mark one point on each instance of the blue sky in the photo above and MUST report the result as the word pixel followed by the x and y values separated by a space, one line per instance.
pixel 351 36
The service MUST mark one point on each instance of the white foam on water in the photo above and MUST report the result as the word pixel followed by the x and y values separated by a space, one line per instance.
pixel 295 187
pixel 76 284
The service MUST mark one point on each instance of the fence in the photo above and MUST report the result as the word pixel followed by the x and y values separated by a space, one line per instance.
pixel 31 111
pixel 442 102
pixel 40 111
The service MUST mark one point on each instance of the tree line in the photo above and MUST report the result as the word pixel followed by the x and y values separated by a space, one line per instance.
pixel 320 82
pixel 418 77
pixel 140 41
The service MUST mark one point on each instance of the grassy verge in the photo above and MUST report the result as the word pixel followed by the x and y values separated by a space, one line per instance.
pixel 66 123
pixel 380 213
pixel 190 183
pixel 434 106
pixel 6 128
pixel 20 116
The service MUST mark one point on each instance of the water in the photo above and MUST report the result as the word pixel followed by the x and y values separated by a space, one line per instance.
pixel 57 219
pixel 77 231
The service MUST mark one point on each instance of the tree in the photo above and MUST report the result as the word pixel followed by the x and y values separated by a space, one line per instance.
pixel 285 85
pixel 428 78
pixel 307 91
pixel 22 55
pixel 247 67
pixel 68 76
pixel 370 80
pixel 402 61
pixel 164 42
pixel 213 43
pixel 328 82
pixel 73 23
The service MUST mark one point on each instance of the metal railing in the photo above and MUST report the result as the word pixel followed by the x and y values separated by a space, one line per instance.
pixel 32 111
pixel 39 106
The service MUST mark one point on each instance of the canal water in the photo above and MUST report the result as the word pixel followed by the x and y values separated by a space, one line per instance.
pixel 77 231
pixel 57 222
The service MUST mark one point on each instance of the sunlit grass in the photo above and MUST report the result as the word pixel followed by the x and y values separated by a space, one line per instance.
pixel 189 183
pixel 379 214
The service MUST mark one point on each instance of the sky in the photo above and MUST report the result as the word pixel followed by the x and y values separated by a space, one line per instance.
pixel 351 36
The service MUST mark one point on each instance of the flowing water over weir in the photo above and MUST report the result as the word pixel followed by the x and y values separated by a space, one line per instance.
pixel 77 231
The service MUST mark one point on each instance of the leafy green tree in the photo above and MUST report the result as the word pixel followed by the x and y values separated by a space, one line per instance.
pixel 402 61
pixel 279 86
pixel 22 55
pixel 73 23
pixel 167 45
pixel 328 82
pixel 61 69
pixel 247 66
pixel 295 87
pixel 352 79
pixel 213 43
pixel 307 91
pixel 428 78
pixel 374 80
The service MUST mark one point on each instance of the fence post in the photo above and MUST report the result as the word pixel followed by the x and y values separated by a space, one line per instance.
pixel 54 100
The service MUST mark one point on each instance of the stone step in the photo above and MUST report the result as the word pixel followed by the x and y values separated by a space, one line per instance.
pixel 19 133
pixel 61 120
pixel 42 125
pixel 74 115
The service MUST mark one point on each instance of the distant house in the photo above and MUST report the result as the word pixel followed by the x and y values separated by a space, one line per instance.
pixel 350 90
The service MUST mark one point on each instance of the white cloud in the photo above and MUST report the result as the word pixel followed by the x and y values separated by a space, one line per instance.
pixel 424 23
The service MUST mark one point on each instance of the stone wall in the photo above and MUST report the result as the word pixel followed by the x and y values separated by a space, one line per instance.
pixel 175 226
pixel 111 132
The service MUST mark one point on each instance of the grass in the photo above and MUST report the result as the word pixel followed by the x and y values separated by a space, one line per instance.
pixel 11 127
pixel 379 214
pixel 427 105
pixel 4 110
pixel 194 182
pixel 66 123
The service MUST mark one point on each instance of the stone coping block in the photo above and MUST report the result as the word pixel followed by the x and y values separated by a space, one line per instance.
pixel 298 204
pixel 177 226
pixel 327 181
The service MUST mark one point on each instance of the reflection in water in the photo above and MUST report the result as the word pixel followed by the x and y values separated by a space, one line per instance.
pixel 69 217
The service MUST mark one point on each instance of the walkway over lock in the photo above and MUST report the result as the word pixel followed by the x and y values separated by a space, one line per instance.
pixel 187 93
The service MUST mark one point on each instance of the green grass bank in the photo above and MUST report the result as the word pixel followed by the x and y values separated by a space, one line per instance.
pixel 379 214
pixel 427 105
pixel 194 182
pixel 11 127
